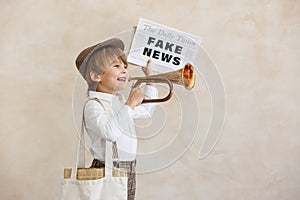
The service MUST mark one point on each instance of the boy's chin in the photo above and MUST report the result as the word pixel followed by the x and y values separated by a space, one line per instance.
pixel 120 87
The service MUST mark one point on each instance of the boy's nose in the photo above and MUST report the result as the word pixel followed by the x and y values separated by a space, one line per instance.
pixel 124 70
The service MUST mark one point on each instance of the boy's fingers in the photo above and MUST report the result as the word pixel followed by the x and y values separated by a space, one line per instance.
pixel 148 63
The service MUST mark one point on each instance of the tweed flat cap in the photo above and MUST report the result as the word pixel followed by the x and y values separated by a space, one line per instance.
pixel 84 56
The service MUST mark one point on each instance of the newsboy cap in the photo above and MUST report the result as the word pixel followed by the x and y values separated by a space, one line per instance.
pixel 85 55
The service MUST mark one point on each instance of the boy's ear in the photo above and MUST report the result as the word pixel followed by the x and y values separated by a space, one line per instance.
pixel 95 77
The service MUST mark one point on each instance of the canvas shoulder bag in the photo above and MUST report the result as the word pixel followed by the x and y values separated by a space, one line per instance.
pixel 81 183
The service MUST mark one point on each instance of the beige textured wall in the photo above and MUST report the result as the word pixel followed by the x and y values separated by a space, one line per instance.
pixel 255 44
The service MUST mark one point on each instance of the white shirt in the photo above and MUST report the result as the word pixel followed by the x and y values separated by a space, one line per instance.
pixel 113 121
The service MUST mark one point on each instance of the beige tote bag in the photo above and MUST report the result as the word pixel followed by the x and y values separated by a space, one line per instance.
pixel 108 187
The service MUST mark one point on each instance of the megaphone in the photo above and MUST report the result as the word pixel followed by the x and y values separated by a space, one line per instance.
pixel 184 76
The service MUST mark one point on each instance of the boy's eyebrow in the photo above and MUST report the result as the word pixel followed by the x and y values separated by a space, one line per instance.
pixel 118 61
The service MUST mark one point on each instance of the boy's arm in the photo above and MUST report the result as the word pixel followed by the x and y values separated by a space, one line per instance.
pixel 102 123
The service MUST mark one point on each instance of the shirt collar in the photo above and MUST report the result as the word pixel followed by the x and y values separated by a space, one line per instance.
pixel 102 95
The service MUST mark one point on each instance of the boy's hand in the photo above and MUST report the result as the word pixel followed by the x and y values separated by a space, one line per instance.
pixel 135 98
pixel 147 70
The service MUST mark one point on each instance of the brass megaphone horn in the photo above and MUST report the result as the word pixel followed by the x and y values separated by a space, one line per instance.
pixel 184 76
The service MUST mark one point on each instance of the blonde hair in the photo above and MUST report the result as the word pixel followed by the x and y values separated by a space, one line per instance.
pixel 100 60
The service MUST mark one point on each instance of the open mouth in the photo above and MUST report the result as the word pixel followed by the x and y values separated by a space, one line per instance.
pixel 123 79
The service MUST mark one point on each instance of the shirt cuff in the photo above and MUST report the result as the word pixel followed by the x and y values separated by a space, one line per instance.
pixel 150 91
pixel 129 111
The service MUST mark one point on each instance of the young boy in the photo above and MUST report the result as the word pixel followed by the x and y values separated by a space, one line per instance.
pixel 108 115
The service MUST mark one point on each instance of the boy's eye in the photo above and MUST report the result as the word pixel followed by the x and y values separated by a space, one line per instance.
pixel 125 66
pixel 117 65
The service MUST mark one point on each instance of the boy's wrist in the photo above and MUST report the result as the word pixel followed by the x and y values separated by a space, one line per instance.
pixel 131 105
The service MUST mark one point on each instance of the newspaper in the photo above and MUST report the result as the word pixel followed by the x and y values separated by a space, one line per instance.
pixel 169 49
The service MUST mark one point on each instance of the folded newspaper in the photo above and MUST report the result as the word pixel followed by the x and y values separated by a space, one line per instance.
pixel 169 49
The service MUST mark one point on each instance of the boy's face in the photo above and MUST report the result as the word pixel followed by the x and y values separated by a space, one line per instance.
pixel 113 78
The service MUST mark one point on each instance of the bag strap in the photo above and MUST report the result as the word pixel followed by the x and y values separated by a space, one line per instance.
pixel 111 151
pixel 80 154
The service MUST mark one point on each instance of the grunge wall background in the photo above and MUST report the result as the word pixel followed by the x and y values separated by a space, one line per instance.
pixel 254 43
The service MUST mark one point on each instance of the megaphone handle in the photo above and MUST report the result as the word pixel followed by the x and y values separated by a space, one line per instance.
pixel 166 98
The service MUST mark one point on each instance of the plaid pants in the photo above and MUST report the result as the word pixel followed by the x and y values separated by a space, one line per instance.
pixel 130 166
